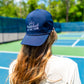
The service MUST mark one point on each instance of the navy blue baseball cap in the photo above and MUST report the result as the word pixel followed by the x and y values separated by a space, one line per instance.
pixel 39 25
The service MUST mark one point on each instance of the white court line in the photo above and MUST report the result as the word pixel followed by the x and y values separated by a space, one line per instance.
pixel 65 46
pixel 70 56
pixel 75 42
pixel 4 68
pixel 56 55
pixel 9 52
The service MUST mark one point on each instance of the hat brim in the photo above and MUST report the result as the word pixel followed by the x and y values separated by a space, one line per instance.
pixel 34 40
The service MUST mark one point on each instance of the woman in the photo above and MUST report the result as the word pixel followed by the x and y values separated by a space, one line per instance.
pixel 35 63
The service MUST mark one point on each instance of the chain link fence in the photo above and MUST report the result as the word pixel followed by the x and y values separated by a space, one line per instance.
pixel 11 29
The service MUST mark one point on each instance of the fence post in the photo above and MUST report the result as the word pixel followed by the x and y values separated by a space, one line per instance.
pixel 2 25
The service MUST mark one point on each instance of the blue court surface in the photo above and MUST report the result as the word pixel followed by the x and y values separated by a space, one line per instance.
pixel 64 42
pixel 70 39
pixel 7 57
pixel 69 35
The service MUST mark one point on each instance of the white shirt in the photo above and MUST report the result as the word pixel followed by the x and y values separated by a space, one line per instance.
pixel 59 70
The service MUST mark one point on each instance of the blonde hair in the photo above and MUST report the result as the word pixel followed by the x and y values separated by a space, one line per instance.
pixel 31 62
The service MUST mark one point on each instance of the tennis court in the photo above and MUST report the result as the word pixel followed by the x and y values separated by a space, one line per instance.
pixel 69 45
pixel 70 39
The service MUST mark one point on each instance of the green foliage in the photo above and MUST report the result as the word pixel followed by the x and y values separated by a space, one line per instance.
pixel 8 8
pixel 41 6
pixel 61 10
pixel 32 5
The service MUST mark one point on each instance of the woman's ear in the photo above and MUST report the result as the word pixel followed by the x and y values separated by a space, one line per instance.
pixel 53 30
pixel 54 33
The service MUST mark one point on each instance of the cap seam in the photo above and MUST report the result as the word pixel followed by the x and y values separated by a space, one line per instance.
pixel 38 34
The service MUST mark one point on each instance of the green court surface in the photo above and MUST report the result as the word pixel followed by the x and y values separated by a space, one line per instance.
pixel 56 50
pixel 69 51
pixel 12 46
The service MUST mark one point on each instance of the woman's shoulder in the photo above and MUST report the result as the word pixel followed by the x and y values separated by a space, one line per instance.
pixel 61 65
pixel 60 68
pixel 12 65
pixel 60 60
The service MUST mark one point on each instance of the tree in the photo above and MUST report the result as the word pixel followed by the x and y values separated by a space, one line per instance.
pixel 65 4
pixel 67 10
pixel 23 9
pixel 76 12
pixel 53 8
pixel 82 7
pixel 61 10
pixel 42 6
pixel 8 8
pixel 32 4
